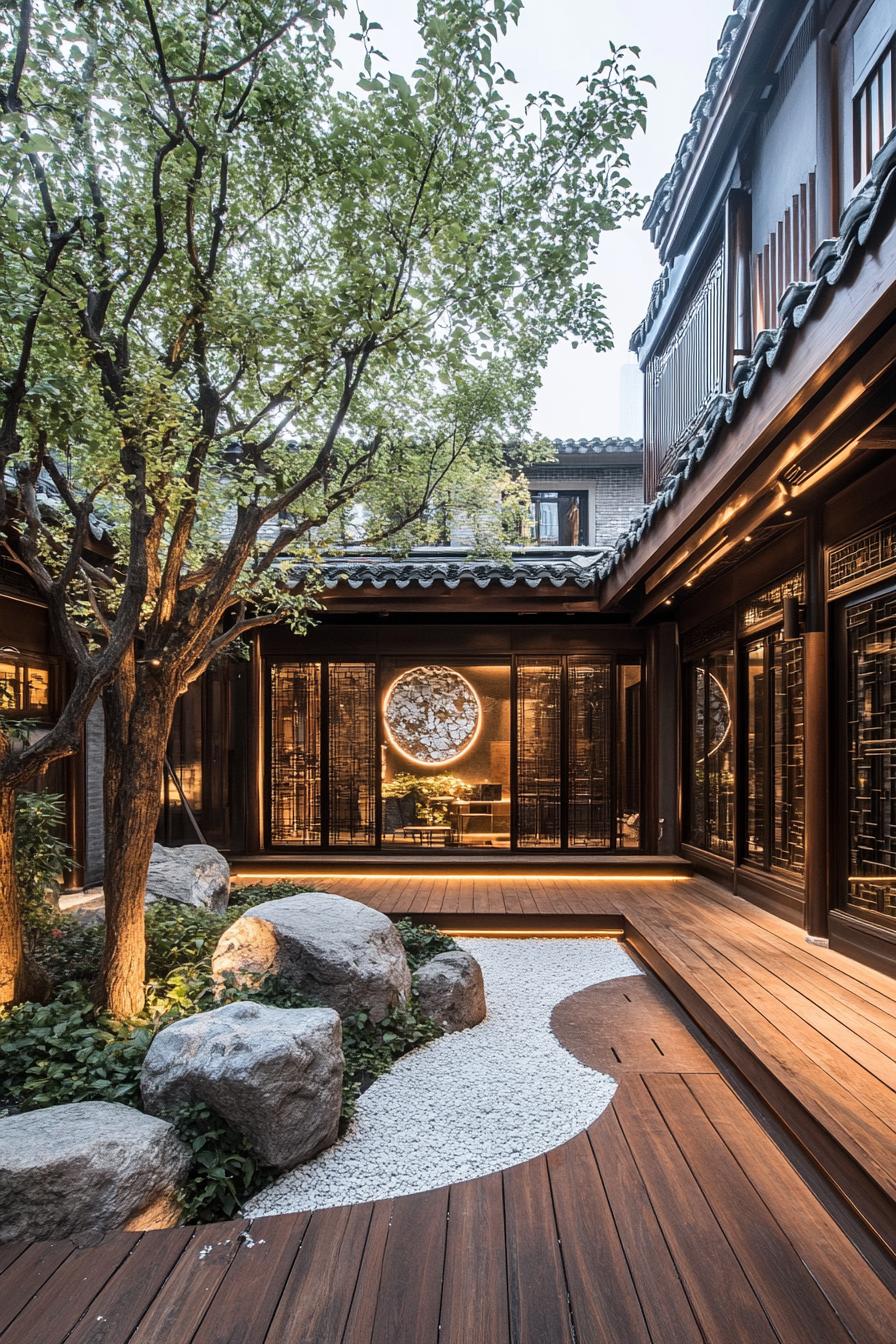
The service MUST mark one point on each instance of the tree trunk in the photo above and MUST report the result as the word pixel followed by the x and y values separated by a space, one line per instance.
pixel 138 722
pixel 20 977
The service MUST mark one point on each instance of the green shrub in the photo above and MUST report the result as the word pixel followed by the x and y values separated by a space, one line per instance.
pixel 40 855
pixel 422 942
pixel 69 1051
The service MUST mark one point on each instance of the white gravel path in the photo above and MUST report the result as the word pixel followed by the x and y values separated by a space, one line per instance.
pixel 475 1101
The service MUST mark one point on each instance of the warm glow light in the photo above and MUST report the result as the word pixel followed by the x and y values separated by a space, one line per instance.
pixel 276 875
pixel 418 760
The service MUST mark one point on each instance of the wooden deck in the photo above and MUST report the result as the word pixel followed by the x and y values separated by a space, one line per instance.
pixel 686 1212
pixel 812 1031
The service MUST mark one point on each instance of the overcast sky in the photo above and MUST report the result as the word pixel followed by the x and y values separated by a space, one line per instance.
pixel 556 42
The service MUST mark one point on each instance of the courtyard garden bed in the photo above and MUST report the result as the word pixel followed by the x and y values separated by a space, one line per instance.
pixel 68 1051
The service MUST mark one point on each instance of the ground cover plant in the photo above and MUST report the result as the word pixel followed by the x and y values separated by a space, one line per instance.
pixel 70 1050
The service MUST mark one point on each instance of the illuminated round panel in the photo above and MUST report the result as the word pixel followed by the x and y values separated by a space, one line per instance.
pixel 432 715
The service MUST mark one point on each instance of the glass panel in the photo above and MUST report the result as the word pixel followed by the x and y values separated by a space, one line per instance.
pixel 446 755
pixel 695 828
pixel 755 811
pixel 38 689
pixel 10 688
pixel 538 694
pixel 871 755
pixel 352 714
pixel 628 753
pixel 718 754
pixel 787 817
pixel 590 743
pixel 559 517
pixel 295 754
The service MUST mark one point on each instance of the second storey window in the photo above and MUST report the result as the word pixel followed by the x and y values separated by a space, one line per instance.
pixel 558 518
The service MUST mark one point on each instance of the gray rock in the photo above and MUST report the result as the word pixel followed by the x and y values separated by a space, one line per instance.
pixel 274 1074
pixel 337 951
pixel 450 990
pixel 191 874
pixel 89 1166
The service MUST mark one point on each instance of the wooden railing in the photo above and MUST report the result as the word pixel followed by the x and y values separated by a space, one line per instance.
pixel 785 255
pixel 873 112
pixel 685 375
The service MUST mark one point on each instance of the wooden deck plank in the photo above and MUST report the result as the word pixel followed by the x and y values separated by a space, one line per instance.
pixel 191 1285
pixel 263 1259
pixel 124 1299
pixel 317 1296
pixel 663 1300
pixel 862 1301
pixel 27 1275
pixel 362 1313
pixel 789 1294
pixel 407 1310
pixel 474 1292
pixel 720 1292
pixel 536 1284
pixel 603 1299
pixel 50 1316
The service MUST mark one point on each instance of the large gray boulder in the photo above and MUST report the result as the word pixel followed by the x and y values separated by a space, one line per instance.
pixel 192 874
pixel 274 1074
pixel 340 952
pixel 450 990
pixel 89 1166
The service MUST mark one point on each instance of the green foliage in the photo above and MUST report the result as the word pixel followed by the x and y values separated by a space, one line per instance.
pixel 40 850
pixel 428 788
pixel 422 942
pixel 68 1050
pixel 225 1173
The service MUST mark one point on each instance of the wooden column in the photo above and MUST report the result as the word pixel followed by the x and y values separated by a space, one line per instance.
pixel 816 736
pixel 255 740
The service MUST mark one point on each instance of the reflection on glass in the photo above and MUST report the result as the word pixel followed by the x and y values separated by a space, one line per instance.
pixel 710 755
pixel 352 713
pixel 590 744
pixel 295 753
pixel 755 811
pixel 787 736
pixel 628 753
pixel 558 517
pixel 446 755
pixel 538 694
pixel 871 755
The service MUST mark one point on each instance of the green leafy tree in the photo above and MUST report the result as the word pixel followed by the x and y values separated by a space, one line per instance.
pixel 257 314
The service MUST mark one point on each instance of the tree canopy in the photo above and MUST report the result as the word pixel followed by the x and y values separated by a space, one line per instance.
pixel 257 305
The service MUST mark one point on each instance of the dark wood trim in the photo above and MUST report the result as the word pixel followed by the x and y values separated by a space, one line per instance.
pixel 715 866
pixel 776 893
pixel 871 944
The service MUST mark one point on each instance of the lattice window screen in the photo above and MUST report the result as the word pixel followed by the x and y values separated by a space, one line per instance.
pixel 788 827
pixel 538 718
pixel 295 754
pixel 590 741
pixel 352 763
pixel 871 763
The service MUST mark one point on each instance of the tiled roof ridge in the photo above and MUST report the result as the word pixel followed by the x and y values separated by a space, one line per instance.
pixel 423 572
pixel 667 188
pixel 611 444
pixel 798 304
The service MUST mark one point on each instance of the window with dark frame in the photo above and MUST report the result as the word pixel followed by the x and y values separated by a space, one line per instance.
pixel 709 813
pixel 558 518
pixel 774 784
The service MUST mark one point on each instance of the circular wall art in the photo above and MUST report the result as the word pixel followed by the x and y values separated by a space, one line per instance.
pixel 432 715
